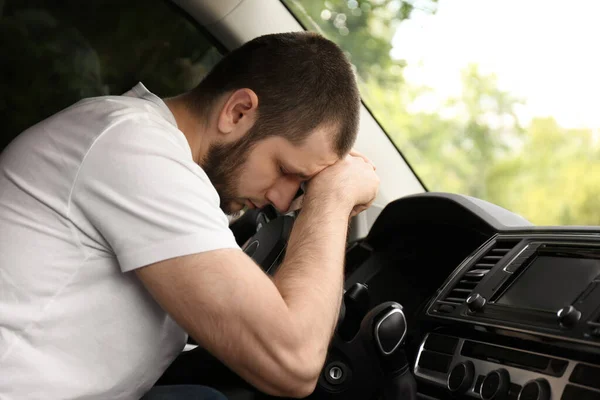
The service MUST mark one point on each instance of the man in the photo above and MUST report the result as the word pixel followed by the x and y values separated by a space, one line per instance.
pixel 114 240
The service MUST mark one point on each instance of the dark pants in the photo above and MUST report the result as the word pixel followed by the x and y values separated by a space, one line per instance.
pixel 183 392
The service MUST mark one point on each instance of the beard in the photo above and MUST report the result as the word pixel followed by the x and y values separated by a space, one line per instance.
pixel 223 165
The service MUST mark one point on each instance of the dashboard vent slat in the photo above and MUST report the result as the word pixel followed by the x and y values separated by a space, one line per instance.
pixel 455 300
pixel 486 265
pixel 496 258
pixel 477 273
pixel 470 279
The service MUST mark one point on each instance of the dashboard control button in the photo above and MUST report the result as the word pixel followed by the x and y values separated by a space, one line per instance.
pixel 445 308
pixel 461 377
pixel 568 316
pixel 538 389
pixel 356 304
pixel 476 302
pixel 441 343
pixel 435 361
pixel 586 375
pixel 495 385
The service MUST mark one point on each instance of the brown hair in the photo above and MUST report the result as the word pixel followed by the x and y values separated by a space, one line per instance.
pixel 302 81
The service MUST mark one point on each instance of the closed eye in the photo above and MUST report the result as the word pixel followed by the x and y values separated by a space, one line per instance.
pixel 299 175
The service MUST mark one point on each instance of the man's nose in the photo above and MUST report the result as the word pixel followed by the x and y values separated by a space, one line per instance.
pixel 283 192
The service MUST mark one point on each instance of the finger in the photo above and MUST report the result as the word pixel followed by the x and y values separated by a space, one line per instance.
pixel 357 210
pixel 355 153
pixel 296 204
pixel 362 207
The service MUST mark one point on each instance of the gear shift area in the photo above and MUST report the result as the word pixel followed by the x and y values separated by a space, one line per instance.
pixel 367 356
pixel 390 330
pixel 384 329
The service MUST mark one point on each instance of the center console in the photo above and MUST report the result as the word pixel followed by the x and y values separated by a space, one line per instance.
pixel 486 370
pixel 542 288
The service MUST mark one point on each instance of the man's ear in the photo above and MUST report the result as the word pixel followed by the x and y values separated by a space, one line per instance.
pixel 238 113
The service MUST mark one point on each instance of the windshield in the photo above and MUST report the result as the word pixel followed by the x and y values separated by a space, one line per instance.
pixel 495 99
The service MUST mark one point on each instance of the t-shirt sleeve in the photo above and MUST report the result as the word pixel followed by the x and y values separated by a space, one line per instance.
pixel 140 191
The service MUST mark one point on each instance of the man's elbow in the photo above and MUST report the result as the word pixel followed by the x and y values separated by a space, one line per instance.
pixel 304 368
pixel 298 387
pixel 304 390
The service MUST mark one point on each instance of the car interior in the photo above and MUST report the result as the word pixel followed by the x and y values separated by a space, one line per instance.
pixel 446 295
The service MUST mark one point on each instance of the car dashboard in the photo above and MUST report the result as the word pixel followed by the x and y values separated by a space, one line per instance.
pixel 497 308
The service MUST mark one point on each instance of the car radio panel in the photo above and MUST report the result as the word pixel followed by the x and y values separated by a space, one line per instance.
pixel 545 284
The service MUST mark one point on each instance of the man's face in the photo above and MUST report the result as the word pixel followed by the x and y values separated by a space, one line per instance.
pixel 270 171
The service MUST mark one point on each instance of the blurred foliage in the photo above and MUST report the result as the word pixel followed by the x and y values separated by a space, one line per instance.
pixel 363 29
pixel 472 144
pixel 55 52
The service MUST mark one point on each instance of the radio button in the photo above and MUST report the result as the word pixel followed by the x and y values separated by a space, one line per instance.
pixel 461 377
pixel 538 389
pixel 495 385
pixel 568 316
pixel 476 302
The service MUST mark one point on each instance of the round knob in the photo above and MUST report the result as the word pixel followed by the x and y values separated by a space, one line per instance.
pixel 461 377
pixel 538 389
pixel 476 302
pixel 568 316
pixel 495 385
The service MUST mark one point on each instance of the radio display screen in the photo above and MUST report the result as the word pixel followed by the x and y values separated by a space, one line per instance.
pixel 550 283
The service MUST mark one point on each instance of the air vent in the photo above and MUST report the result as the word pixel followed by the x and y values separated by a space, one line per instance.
pixel 470 279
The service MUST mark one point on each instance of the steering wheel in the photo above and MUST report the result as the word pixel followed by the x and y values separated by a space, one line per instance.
pixel 267 244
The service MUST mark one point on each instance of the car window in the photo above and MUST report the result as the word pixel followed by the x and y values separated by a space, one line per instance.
pixel 55 53
pixel 495 99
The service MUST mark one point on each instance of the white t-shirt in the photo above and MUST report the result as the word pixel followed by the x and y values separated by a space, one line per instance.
pixel 88 195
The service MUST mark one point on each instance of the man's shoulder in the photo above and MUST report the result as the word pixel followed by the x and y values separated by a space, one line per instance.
pixel 113 110
pixel 141 146
pixel 113 130
pixel 120 121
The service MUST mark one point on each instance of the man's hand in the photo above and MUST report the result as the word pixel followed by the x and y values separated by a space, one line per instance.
pixel 351 182
pixel 356 153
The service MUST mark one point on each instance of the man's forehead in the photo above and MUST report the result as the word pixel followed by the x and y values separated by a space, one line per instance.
pixel 308 158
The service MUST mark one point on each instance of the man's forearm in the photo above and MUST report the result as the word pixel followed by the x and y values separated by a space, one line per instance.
pixel 310 279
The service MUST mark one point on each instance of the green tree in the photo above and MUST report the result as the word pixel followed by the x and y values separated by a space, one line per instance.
pixel 489 129
pixel 554 179
pixel 454 146
pixel 363 28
